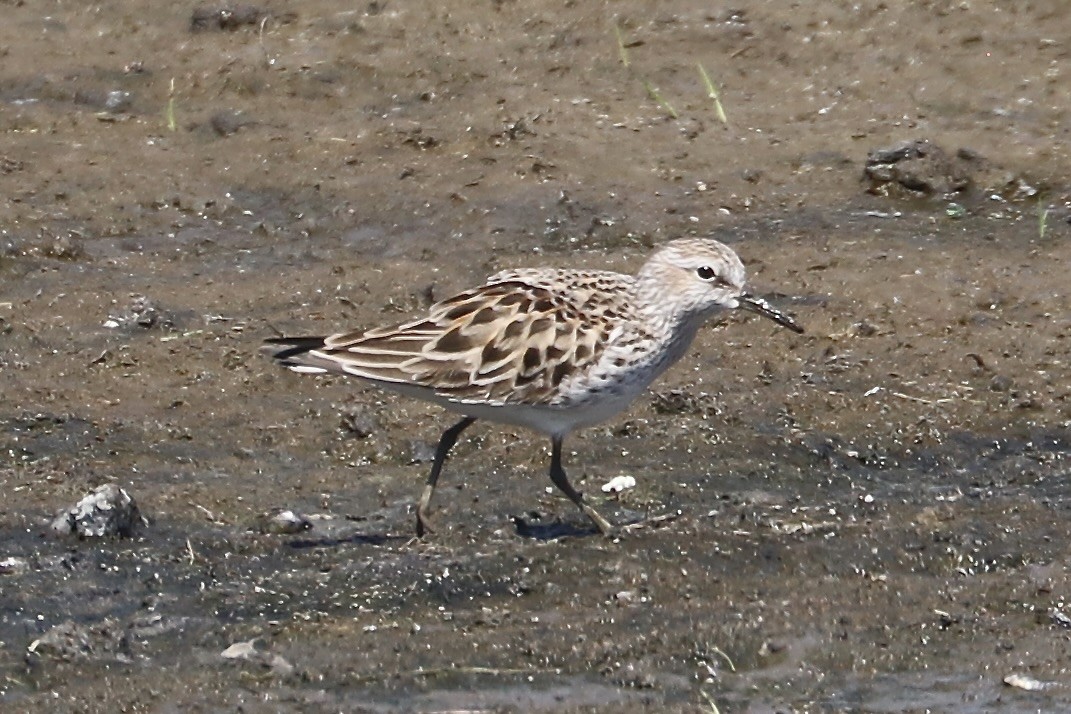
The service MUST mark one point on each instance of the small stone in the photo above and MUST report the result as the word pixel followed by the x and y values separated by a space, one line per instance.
pixel 13 565
pixel 421 452
pixel 283 521
pixel 1000 383
pixel 1058 617
pixel 1029 684
pixel 140 313
pixel 919 167
pixel 107 511
pixel 226 122
pixel 359 422
pixel 71 641
pixel 618 484
pixel 240 650
pixel 226 17
pixel 117 101
pixel 248 651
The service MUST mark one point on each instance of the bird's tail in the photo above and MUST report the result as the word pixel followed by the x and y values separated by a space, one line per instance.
pixel 295 353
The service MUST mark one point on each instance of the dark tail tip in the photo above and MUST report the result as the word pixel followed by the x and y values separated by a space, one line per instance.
pixel 286 348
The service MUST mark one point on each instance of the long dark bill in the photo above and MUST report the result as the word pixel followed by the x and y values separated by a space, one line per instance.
pixel 755 304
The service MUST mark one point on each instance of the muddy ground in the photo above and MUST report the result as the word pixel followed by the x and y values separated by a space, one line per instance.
pixel 872 517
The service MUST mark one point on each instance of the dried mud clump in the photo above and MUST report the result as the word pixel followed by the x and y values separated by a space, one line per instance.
pixel 919 167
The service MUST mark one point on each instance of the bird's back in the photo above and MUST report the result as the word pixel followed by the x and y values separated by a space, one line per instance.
pixel 520 339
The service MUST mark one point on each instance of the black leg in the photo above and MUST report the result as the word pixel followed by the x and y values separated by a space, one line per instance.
pixel 557 475
pixel 446 442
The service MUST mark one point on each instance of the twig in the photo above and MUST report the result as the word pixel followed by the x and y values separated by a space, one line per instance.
pixel 269 61
pixel 717 650
pixel 202 509
pixel 710 700
pixel 920 400
pixel 900 395
pixel 653 520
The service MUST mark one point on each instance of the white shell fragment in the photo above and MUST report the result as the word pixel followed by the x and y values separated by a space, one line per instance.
pixel 1022 681
pixel 618 484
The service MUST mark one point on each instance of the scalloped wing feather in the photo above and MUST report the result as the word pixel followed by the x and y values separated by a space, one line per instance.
pixel 512 340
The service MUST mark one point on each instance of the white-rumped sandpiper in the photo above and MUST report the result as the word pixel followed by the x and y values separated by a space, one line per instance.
pixel 550 350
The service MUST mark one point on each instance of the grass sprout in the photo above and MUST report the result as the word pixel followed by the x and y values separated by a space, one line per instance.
pixel 712 92
pixel 655 95
pixel 169 113
pixel 622 51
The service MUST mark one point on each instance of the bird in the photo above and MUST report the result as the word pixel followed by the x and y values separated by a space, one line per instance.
pixel 552 350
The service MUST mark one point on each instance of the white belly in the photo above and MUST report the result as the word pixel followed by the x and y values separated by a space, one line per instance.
pixel 552 421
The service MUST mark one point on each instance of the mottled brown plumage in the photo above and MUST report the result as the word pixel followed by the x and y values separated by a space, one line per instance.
pixel 506 342
pixel 552 350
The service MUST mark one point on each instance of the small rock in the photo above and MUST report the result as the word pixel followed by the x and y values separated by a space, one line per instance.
pixel 864 329
pixel 918 166
pixel 421 452
pixel 154 625
pixel 227 17
pixel 107 511
pixel 359 422
pixel 1022 681
pixel 13 565
pixel 227 122
pixel 105 639
pixel 1000 383
pixel 751 175
pixel 283 522
pixel 64 246
pixel 240 650
pixel 141 313
pixel 117 101
pixel 618 484
pixel 248 651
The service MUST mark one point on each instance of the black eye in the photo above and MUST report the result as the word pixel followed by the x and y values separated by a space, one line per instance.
pixel 706 273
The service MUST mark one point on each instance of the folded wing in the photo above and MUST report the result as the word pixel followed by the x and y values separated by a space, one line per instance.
pixel 509 341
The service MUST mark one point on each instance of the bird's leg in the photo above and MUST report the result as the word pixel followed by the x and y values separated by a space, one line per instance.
pixel 446 442
pixel 557 475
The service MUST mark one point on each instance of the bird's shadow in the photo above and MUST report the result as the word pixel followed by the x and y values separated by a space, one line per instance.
pixel 330 541
pixel 551 531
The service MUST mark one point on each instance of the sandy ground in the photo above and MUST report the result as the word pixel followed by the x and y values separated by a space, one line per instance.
pixel 870 517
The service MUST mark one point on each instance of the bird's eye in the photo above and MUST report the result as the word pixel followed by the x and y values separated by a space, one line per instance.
pixel 706 273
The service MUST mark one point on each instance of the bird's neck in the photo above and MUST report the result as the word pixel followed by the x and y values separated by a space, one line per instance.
pixel 672 325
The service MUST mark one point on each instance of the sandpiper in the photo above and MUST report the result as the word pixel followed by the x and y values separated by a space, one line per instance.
pixel 553 350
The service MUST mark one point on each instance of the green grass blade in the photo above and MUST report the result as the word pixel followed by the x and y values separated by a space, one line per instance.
pixel 169 113
pixel 622 51
pixel 660 99
pixel 712 92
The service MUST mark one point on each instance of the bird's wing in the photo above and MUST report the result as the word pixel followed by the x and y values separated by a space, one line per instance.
pixel 509 341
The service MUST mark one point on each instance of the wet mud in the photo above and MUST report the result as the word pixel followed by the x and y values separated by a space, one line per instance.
pixel 869 517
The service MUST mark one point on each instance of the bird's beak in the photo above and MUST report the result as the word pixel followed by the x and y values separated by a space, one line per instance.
pixel 755 304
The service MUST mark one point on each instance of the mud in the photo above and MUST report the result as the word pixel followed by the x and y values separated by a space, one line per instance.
pixel 872 516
